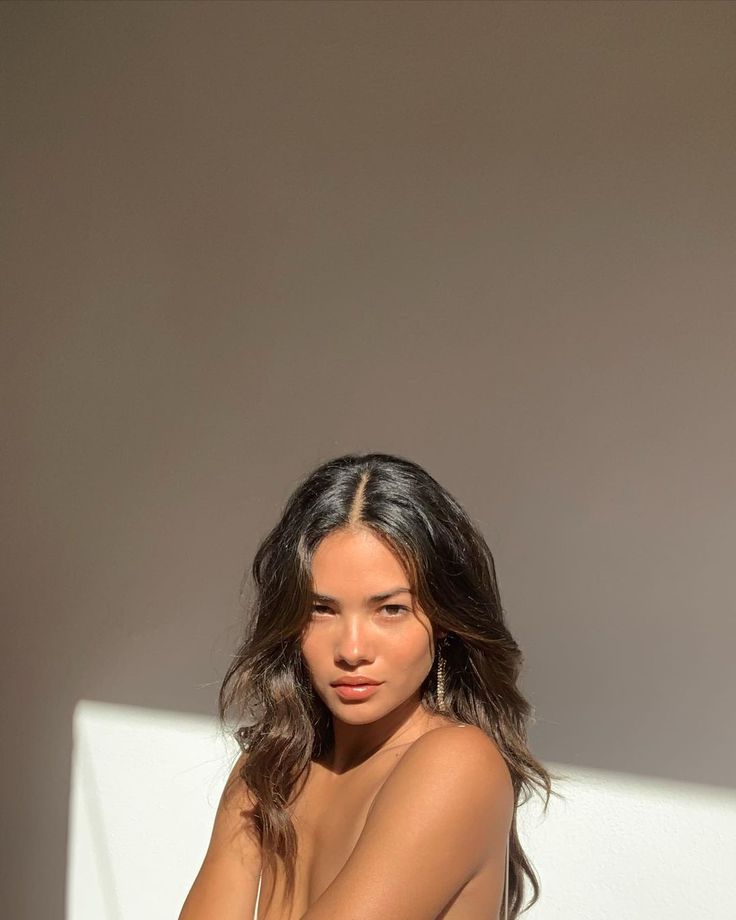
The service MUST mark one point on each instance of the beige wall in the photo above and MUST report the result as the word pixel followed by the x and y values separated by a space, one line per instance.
pixel 240 239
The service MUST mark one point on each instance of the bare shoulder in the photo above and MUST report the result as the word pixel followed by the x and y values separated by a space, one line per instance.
pixel 226 884
pixel 232 834
pixel 449 742
pixel 233 831
pixel 236 794
pixel 460 761
pixel 451 786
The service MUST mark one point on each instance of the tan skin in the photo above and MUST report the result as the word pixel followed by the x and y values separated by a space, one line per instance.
pixel 408 816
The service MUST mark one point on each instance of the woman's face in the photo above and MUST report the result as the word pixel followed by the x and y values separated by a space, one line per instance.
pixel 354 632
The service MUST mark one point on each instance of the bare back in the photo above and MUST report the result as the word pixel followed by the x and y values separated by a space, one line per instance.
pixel 329 815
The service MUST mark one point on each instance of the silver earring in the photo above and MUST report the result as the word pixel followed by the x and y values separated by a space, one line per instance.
pixel 440 679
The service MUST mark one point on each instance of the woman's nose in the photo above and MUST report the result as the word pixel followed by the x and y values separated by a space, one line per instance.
pixel 354 643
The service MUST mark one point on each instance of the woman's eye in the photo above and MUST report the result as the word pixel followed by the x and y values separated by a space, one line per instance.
pixel 396 607
pixel 319 607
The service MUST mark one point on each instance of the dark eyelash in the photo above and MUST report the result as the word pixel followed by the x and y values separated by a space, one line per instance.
pixel 385 606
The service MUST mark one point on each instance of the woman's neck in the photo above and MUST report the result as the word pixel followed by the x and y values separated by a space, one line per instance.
pixel 354 744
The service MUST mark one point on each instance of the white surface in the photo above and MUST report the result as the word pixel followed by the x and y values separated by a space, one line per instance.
pixel 145 785
pixel 629 848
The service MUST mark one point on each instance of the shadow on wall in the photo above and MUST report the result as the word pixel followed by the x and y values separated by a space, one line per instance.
pixel 146 783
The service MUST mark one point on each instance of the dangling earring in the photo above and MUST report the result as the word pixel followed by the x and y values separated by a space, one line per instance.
pixel 440 678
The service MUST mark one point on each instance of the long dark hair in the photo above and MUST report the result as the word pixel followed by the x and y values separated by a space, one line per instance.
pixel 452 571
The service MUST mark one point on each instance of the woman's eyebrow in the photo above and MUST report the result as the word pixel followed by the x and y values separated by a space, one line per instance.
pixel 373 599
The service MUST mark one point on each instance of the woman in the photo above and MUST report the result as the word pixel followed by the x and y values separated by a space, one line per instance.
pixel 385 750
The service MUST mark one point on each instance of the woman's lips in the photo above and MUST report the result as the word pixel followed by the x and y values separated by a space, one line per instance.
pixel 356 692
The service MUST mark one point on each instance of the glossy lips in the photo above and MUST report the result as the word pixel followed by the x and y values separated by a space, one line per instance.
pixel 356 692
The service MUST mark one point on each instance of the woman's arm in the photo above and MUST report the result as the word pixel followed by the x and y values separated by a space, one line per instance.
pixel 227 883
pixel 443 812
